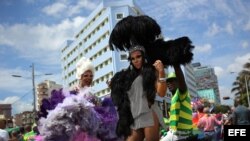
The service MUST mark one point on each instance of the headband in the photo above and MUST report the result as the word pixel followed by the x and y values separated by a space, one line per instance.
pixel 136 48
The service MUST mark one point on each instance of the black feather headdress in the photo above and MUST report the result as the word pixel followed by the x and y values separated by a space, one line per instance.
pixel 145 31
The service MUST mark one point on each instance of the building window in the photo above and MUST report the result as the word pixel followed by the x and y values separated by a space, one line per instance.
pixel 119 16
pixel 124 57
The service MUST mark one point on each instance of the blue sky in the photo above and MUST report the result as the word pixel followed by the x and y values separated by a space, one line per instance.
pixel 34 31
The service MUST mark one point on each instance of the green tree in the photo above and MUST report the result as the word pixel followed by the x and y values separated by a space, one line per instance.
pixel 241 84
pixel 237 86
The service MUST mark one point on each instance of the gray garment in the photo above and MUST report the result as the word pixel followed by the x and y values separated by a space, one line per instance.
pixel 4 135
pixel 241 115
pixel 142 114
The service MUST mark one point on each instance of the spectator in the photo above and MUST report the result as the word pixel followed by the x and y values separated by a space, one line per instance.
pixel 207 124
pixel 241 114
pixel 14 135
pixel 4 135
pixel 22 132
pixel 180 110
pixel 198 115
pixel 28 133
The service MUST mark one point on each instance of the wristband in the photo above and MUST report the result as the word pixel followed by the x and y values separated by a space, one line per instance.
pixel 162 79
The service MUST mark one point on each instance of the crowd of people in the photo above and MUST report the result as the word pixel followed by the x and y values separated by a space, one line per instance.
pixel 131 113
pixel 22 133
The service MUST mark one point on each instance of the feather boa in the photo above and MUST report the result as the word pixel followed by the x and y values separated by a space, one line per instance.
pixel 77 118
pixel 120 98
pixel 120 84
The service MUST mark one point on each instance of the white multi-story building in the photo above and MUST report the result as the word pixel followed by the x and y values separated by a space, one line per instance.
pixel 92 42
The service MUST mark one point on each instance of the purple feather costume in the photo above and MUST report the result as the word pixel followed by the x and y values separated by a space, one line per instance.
pixel 76 118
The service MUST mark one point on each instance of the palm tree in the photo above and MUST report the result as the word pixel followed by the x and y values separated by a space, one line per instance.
pixel 241 85
pixel 237 87
pixel 247 66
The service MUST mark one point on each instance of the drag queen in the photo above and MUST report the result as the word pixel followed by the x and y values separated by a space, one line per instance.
pixel 133 90
pixel 78 115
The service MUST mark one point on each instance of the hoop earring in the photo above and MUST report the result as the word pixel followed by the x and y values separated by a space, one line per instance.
pixel 130 67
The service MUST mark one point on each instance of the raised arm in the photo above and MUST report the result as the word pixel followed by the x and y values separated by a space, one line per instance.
pixel 161 85
pixel 180 77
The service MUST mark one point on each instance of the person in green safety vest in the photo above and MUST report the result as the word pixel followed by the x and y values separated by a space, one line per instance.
pixel 29 133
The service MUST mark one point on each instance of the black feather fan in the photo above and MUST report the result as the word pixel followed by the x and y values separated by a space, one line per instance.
pixel 145 31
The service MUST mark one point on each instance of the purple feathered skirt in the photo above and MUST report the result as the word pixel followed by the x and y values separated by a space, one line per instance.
pixel 76 118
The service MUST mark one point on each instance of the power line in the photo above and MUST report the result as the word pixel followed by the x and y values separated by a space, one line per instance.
pixel 22 96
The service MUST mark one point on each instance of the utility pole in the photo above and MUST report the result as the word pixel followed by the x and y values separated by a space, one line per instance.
pixel 33 87
pixel 33 84
pixel 247 90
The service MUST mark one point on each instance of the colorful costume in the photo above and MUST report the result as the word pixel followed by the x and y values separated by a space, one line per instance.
pixel 77 118
pixel 78 115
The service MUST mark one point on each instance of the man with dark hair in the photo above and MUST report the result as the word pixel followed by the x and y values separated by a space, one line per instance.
pixel 180 110
pixel 4 135
pixel 241 114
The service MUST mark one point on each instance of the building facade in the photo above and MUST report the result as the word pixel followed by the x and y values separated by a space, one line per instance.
pixel 24 118
pixel 92 42
pixel 5 111
pixel 206 82
pixel 5 115
pixel 43 90
pixel 18 120
pixel 190 80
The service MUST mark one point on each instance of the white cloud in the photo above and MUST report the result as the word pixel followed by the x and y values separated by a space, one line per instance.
pixel 247 26
pixel 238 63
pixel 22 85
pixel 219 71
pixel 62 8
pixel 179 10
pixel 229 28
pixel 40 42
pixel 244 44
pixel 87 4
pixel 54 9
pixel 226 91
pixel 18 106
pixel 223 7
pixel 206 48
pixel 213 30
pixel 18 85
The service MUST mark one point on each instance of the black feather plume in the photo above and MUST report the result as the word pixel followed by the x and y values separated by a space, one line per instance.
pixel 144 31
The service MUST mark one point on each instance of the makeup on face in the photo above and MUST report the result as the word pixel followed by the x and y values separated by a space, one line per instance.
pixel 87 78
pixel 136 59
